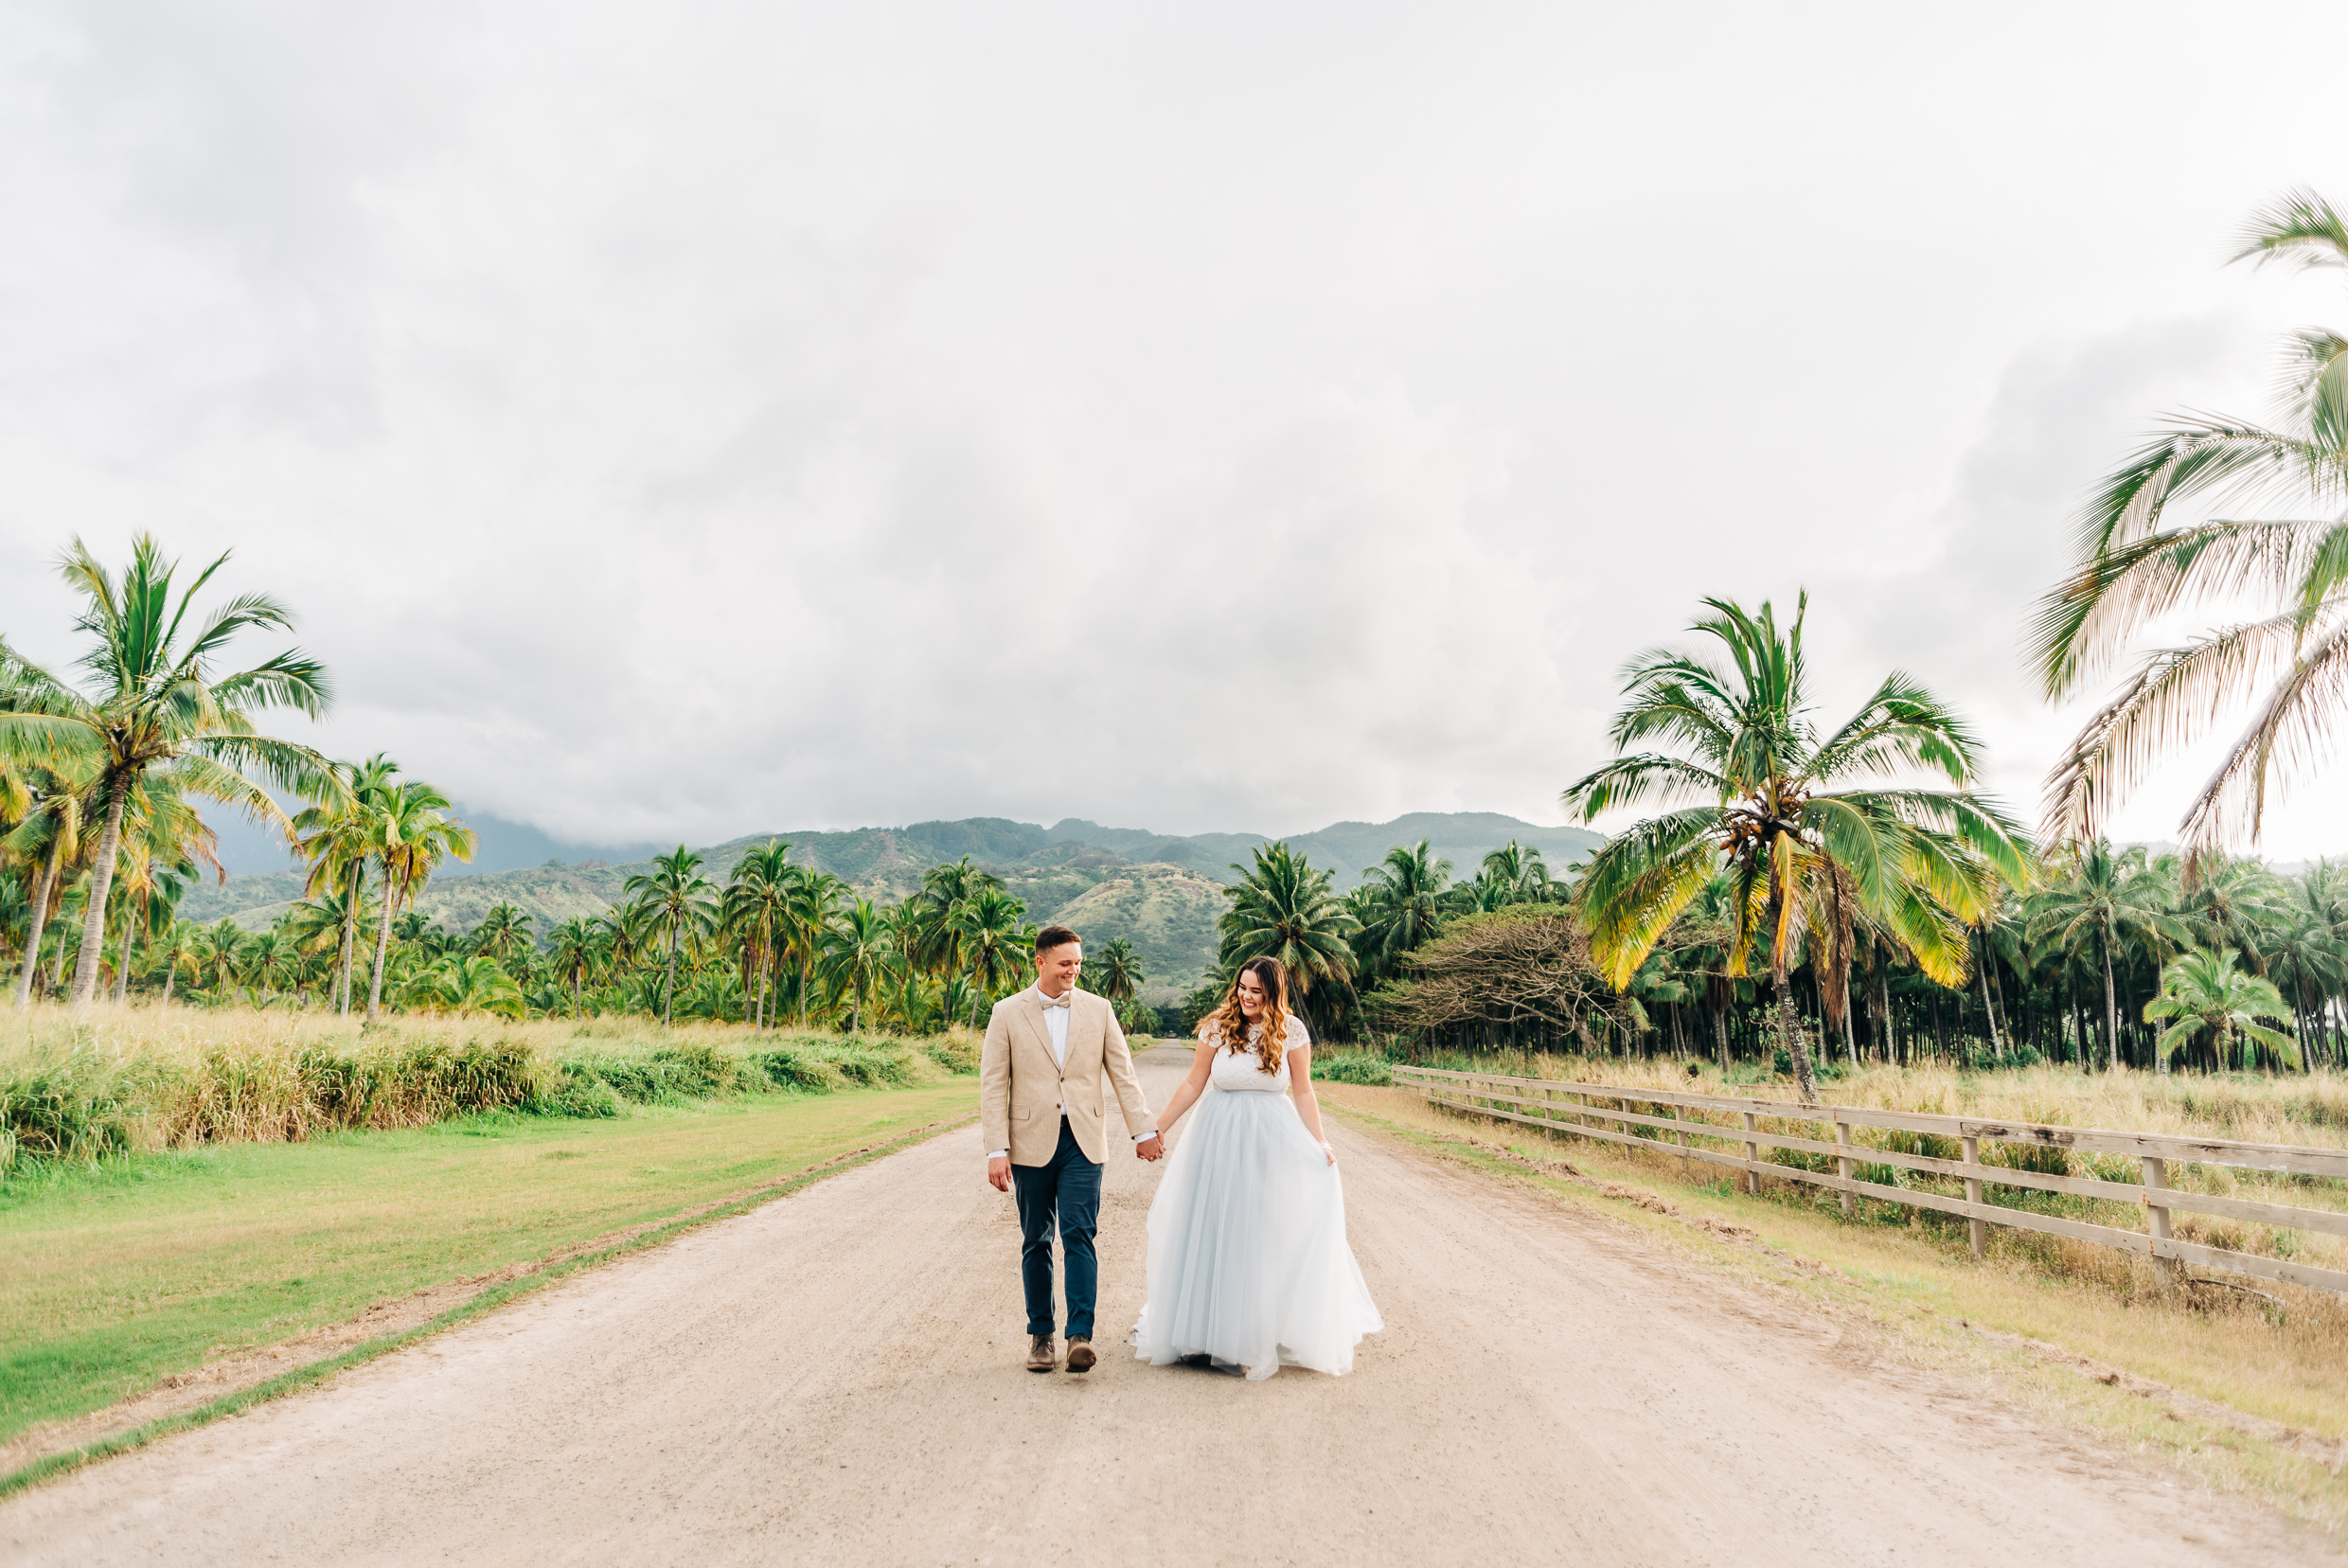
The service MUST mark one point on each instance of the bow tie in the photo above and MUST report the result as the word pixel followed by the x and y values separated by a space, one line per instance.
pixel 1060 1001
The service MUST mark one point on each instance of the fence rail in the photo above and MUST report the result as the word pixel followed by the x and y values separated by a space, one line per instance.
pixel 1535 1102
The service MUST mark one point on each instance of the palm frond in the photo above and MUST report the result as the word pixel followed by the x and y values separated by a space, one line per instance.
pixel 2172 700
pixel 2291 734
pixel 2299 229
pixel 2081 623
pixel 1637 884
pixel 1628 780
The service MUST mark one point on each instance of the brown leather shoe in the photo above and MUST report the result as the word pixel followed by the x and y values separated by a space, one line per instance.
pixel 1041 1355
pixel 1080 1357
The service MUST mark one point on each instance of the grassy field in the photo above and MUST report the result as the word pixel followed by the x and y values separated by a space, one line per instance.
pixel 123 1271
pixel 1915 1279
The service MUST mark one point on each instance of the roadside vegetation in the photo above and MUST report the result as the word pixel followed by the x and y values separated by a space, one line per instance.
pixel 126 1272
pixel 85 1086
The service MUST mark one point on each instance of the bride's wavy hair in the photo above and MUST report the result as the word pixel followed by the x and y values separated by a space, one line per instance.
pixel 1230 1025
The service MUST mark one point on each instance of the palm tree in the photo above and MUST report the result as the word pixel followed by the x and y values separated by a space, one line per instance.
pixel 757 905
pixel 1282 908
pixel 1511 874
pixel 988 931
pixel 956 996
pixel 860 951
pixel 155 702
pixel 1405 898
pixel 503 934
pixel 937 943
pixel 162 839
pixel 2232 903
pixel 2135 569
pixel 573 946
pixel 215 953
pixel 177 946
pixel 814 899
pixel 456 984
pixel 322 923
pixel 275 959
pixel 678 900
pixel 2102 900
pixel 2310 949
pixel 49 834
pixel 1804 855
pixel 337 838
pixel 2207 992
pixel 1115 973
pixel 414 831
pixel 908 1002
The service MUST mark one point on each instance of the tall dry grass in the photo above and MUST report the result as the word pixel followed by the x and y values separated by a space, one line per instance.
pixel 104 1080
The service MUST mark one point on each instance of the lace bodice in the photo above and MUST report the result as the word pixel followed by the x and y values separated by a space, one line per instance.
pixel 1242 1072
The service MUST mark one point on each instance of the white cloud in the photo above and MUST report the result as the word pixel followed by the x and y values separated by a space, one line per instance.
pixel 687 422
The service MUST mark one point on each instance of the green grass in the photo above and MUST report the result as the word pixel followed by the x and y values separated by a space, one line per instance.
pixel 121 1273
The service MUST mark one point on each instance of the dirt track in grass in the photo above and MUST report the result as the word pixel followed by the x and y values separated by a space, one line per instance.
pixel 835 1378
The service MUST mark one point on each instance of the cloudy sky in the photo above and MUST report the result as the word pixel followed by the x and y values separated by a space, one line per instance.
pixel 685 420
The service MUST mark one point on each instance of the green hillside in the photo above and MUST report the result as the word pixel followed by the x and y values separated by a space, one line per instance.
pixel 1161 893
pixel 1166 912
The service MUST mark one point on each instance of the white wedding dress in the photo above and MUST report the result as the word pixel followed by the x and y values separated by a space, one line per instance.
pixel 1248 1260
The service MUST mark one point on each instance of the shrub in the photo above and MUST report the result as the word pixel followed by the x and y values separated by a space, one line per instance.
pixel 788 1067
pixel 956 1052
pixel 1353 1068
pixel 872 1066
pixel 76 1104
pixel 693 1070
pixel 573 1091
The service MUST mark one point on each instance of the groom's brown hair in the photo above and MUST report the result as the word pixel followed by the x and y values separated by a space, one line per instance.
pixel 1052 937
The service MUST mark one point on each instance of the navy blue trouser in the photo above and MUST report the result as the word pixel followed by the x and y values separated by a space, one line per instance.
pixel 1066 1187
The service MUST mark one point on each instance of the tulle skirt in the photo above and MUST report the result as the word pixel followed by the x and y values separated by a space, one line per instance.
pixel 1248 1260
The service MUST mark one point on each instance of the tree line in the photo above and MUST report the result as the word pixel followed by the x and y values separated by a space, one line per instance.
pixel 1789 915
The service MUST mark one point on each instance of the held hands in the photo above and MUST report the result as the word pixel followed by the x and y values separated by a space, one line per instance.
pixel 999 1173
pixel 1151 1148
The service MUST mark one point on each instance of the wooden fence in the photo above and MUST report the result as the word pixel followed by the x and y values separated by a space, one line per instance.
pixel 1576 1109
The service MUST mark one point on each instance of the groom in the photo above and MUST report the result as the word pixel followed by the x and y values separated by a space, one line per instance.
pixel 1042 1106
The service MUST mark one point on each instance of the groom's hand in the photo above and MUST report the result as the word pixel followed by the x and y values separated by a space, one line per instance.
pixel 999 1173
pixel 1151 1148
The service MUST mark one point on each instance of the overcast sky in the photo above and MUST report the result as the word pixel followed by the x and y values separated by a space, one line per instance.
pixel 685 420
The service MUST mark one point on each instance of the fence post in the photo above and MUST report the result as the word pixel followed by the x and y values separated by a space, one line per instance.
pixel 1843 1166
pixel 1752 1157
pixel 1980 1228
pixel 2164 1269
pixel 1683 1159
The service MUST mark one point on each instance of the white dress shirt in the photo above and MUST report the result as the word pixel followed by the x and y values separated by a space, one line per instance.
pixel 1056 1021
pixel 1056 1025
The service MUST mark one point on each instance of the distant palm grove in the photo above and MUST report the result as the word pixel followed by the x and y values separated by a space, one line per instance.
pixel 1801 901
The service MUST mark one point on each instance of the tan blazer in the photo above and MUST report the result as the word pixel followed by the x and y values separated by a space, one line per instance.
pixel 1020 1090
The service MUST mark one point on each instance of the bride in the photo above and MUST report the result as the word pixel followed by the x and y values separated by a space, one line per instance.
pixel 1249 1265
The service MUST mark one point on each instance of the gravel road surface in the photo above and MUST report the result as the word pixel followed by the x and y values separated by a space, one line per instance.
pixel 835 1379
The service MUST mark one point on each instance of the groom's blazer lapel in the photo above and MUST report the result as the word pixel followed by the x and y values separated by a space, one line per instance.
pixel 1030 1015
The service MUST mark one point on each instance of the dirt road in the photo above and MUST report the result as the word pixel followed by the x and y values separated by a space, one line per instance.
pixel 835 1379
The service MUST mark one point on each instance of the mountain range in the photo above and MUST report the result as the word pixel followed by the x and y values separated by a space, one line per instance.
pixel 1161 892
